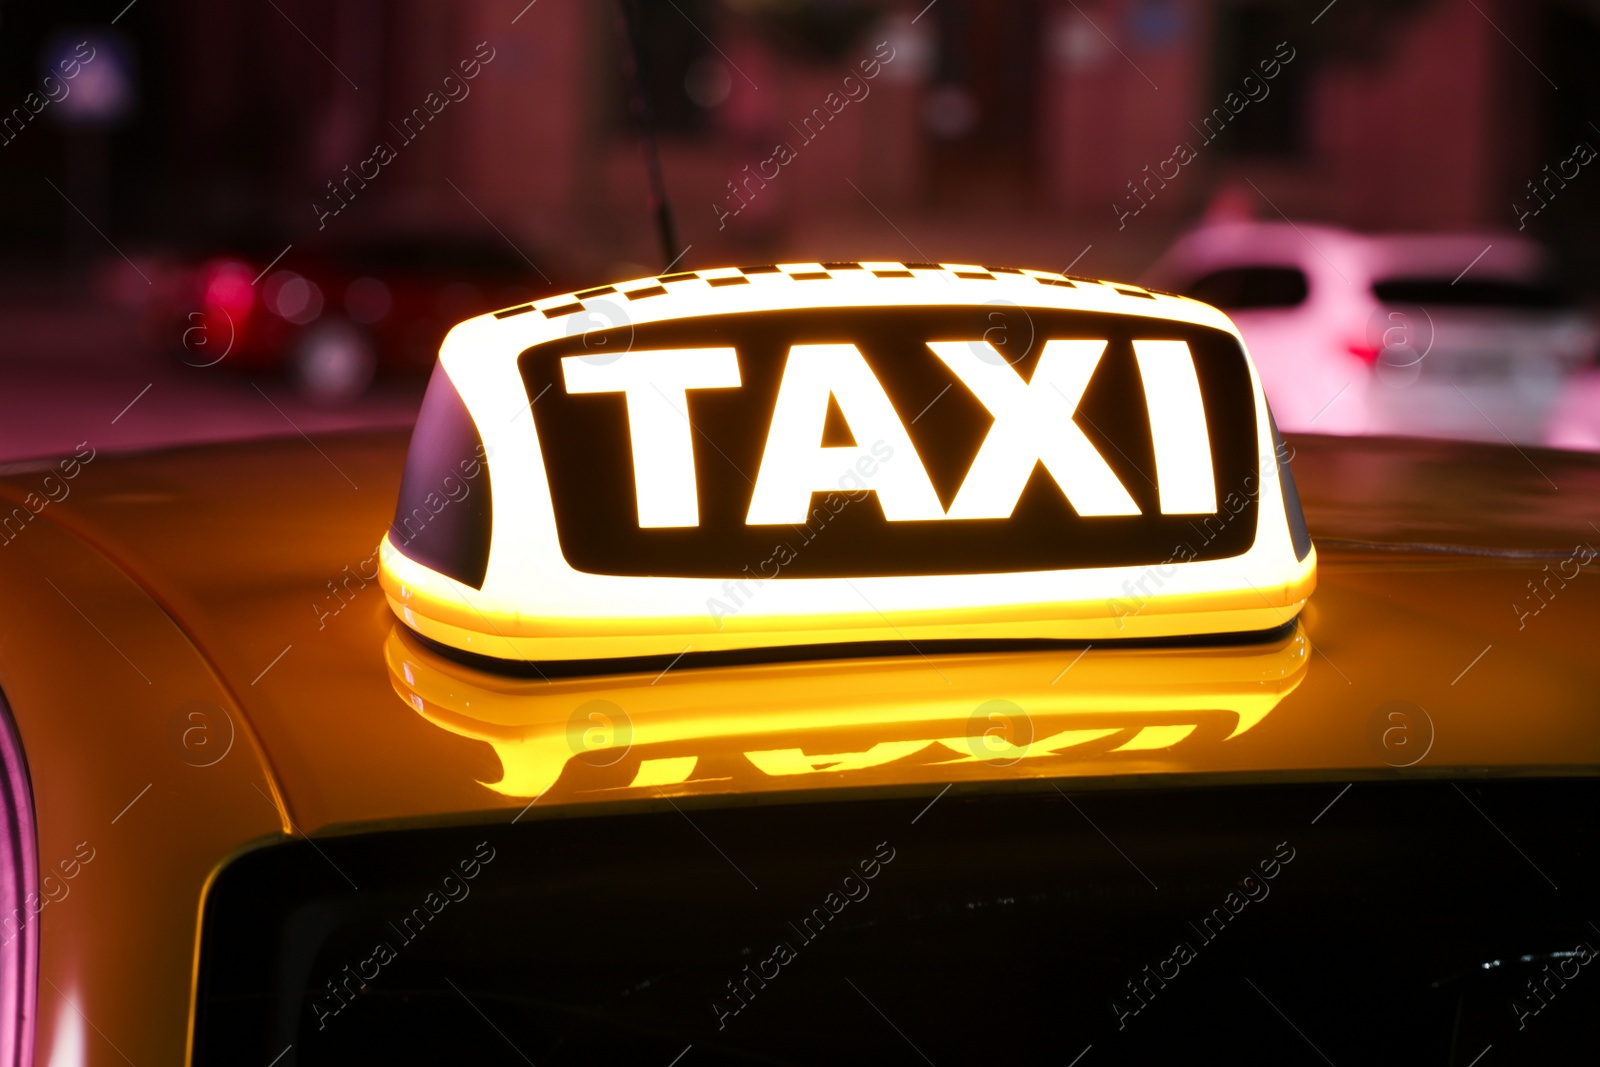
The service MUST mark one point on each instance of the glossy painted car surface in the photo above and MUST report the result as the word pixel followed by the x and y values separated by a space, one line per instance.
pixel 200 664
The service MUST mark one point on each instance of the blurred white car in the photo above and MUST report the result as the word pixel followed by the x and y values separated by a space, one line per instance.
pixel 1575 423
pixel 1447 335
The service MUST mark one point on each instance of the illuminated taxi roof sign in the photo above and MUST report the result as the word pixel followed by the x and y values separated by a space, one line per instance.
pixel 839 453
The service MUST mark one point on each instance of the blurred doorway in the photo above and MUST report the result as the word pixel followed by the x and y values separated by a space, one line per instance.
pixel 980 113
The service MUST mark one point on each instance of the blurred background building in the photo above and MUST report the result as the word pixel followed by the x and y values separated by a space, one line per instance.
pixel 1044 133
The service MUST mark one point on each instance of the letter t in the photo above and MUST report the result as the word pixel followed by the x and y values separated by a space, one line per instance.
pixel 656 386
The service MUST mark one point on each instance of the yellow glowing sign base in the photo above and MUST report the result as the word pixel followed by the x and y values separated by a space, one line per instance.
pixel 459 624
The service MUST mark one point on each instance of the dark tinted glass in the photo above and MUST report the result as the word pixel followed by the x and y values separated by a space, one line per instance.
pixel 1468 292
pixel 1251 288
pixel 1389 924
pixel 1298 534
pixel 442 518
pixel 586 444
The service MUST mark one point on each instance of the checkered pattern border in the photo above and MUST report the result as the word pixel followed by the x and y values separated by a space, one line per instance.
pixel 717 277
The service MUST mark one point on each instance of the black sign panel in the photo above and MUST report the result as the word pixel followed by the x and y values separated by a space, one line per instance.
pixel 586 443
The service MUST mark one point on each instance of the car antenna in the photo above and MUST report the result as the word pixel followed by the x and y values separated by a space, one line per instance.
pixel 644 115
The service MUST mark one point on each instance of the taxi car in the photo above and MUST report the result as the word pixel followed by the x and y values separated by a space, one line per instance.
pixel 800 663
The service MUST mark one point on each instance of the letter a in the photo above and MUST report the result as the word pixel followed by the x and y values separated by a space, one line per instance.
pixel 794 463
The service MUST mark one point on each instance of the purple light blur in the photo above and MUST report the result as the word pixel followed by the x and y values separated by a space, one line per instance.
pixel 19 882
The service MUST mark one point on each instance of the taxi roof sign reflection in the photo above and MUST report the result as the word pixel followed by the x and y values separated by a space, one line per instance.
pixel 869 721
pixel 842 453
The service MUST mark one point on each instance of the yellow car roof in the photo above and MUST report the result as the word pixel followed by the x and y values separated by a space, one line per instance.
pixel 1452 629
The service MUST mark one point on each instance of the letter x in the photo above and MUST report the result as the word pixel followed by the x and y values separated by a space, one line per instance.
pixel 1033 423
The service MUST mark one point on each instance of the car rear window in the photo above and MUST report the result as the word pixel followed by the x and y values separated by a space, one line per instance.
pixel 1252 288
pixel 1015 927
pixel 1469 292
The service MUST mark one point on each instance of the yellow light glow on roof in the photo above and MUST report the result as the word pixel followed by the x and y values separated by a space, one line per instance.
pixel 813 454
pixel 860 721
